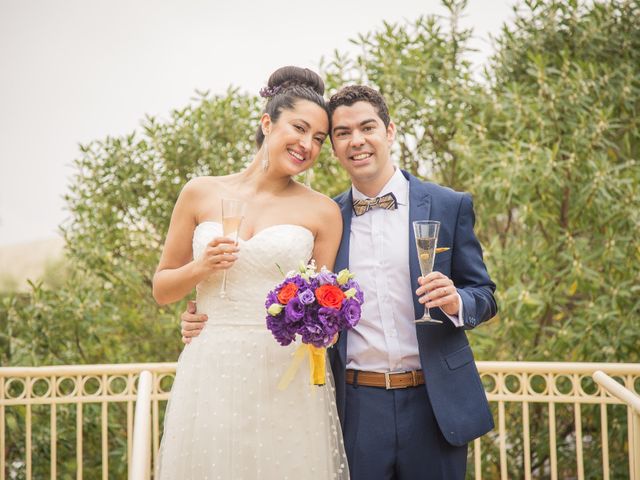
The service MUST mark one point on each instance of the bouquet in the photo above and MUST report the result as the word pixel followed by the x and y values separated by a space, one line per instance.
pixel 316 306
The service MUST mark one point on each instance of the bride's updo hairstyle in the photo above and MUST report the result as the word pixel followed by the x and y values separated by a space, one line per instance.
pixel 286 86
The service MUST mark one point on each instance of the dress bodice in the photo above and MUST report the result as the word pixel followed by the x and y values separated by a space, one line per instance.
pixel 261 261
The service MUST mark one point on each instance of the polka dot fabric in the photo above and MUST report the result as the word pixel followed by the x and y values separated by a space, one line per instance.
pixel 226 418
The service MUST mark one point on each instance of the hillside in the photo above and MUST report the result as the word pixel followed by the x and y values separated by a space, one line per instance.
pixel 24 261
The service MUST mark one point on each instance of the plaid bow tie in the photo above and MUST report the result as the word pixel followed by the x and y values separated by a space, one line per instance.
pixel 387 202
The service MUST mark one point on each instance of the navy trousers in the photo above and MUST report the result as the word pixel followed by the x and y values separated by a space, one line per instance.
pixel 393 435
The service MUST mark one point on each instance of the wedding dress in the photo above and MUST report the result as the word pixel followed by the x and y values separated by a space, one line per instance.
pixel 226 417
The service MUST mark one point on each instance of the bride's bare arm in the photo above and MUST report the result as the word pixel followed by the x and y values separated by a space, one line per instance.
pixel 328 234
pixel 178 273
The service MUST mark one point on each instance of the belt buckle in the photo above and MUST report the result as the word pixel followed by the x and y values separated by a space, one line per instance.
pixel 387 379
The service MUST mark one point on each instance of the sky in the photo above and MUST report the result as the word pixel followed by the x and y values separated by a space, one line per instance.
pixel 73 71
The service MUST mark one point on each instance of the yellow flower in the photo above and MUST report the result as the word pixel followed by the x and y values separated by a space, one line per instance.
pixel 350 293
pixel 274 309
pixel 344 276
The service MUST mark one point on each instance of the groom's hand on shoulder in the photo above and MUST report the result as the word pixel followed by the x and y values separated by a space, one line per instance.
pixel 191 323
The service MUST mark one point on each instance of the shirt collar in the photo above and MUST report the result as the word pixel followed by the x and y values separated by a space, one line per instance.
pixel 397 184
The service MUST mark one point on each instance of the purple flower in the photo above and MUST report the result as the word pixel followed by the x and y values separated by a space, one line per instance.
pixel 311 314
pixel 353 284
pixel 330 319
pixel 272 297
pixel 299 281
pixel 307 297
pixel 351 312
pixel 324 278
pixel 281 333
pixel 315 335
pixel 294 311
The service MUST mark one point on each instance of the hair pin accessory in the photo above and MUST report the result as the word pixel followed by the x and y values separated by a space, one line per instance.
pixel 268 92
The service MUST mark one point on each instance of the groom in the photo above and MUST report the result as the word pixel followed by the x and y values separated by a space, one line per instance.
pixel 409 395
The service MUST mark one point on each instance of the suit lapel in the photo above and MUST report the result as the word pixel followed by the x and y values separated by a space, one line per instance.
pixel 419 209
pixel 345 201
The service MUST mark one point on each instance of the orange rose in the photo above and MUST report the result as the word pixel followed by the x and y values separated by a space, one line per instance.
pixel 330 296
pixel 287 292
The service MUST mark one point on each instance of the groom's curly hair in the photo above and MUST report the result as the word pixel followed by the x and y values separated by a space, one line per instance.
pixel 351 94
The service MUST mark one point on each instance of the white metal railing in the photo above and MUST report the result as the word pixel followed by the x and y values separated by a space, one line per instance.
pixel 141 454
pixel 548 386
pixel 549 418
pixel 633 402
pixel 79 390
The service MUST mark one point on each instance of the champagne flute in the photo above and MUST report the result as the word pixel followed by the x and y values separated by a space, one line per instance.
pixel 232 216
pixel 426 234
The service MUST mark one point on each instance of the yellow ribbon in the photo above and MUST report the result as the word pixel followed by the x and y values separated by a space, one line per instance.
pixel 317 365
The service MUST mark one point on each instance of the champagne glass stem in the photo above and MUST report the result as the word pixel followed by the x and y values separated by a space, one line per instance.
pixel 223 287
pixel 426 318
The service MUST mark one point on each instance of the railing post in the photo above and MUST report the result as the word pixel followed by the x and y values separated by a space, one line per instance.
pixel 633 403
pixel 2 429
pixel 636 445
pixel 141 457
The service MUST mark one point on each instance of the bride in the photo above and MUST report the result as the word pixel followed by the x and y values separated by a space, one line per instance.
pixel 226 418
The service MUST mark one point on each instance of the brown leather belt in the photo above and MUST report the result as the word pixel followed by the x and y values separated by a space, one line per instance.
pixel 388 380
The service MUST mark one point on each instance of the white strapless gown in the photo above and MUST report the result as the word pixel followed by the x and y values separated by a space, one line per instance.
pixel 226 418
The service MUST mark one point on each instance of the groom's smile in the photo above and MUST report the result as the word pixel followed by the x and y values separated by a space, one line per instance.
pixel 359 157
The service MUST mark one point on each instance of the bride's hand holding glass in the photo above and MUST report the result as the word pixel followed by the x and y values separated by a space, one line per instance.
pixel 219 254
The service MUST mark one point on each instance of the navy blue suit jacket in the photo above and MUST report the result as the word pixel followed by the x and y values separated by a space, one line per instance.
pixel 452 381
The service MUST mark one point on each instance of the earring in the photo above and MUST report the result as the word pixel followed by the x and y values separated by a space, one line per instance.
pixel 308 176
pixel 265 155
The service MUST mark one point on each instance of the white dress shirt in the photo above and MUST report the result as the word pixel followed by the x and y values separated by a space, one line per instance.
pixel 385 338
